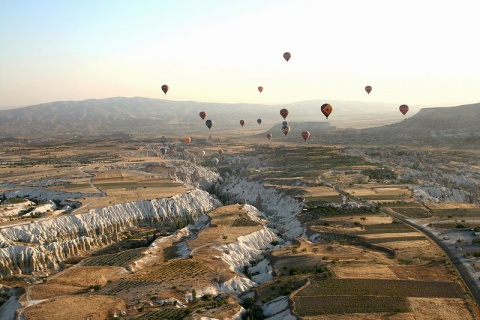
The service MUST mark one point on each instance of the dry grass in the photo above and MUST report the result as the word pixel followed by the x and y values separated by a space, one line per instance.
pixel 52 290
pixel 84 277
pixel 78 307
pixel 438 308
pixel 362 271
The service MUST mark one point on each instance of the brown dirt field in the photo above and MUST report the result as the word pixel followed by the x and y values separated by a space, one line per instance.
pixel 76 308
pixel 362 271
pixel 370 219
pixel 423 273
pixel 319 191
pixel 390 235
pixel 365 316
pixel 437 308
pixel 52 290
pixel 416 250
pixel 84 276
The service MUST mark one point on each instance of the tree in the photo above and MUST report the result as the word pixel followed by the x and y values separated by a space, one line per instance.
pixel 194 295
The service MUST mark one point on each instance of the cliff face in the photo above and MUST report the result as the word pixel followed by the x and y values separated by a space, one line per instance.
pixel 44 245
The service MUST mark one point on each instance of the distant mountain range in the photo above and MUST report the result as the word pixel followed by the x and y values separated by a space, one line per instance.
pixel 164 117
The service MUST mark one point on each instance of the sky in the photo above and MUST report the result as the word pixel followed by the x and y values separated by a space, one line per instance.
pixel 414 52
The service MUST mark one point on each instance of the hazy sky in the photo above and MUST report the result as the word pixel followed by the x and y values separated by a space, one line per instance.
pixel 417 52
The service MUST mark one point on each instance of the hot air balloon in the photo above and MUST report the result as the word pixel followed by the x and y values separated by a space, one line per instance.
pixel 209 123
pixel 368 89
pixel 165 88
pixel 163 150
pixel 305 135
pixel 285 130
pixel 220 151
pixel 284 113
pixel 201 153
pixel 269 136
pixel 326 109
pixel 260 89
pixel 287 56
pixel 202 115
pixel 403 109
pixel 215 161
pixel 242 122
pixel 259 121
pixel 188 140
pixel 284 123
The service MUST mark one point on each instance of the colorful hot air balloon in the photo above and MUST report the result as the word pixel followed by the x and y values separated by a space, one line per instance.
pixel 287 56
pixel 242 122
pixel 285 130
pixel 284 113
pixel 220 152
pixel 403 109
pixel 202 115
pixel 269 136
pixel 163 150
pixel 259 121
pixel 305 135
pixel 188 140
pixel 165 88
pixel 201 153
pixel 260 89
pixel 209 124
pixel 368 89
pixel 326 109
pixel 284 123
pixel 215 161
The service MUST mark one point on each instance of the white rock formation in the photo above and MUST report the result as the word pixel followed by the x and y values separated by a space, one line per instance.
pixel 44 244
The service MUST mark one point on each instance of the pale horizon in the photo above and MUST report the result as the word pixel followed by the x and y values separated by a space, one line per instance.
pixel 422 54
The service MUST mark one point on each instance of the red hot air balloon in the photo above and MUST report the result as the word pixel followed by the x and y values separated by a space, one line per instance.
pixel 165 88
pixel 287 56
pixel 403 109
pixel 202 115
pixel 305 135
pixel 326 109
pixel 260 89
pixel 284 113
pixel 285 130
pixel 259 121
pixel 269 136
pixel 368 89
pixel 242 122
pixel 209 123
pixel 188 140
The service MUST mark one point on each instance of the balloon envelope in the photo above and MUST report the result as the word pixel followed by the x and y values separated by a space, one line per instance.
pixel 284 123
pixel 326 109
pixel 163 150
pixel 260 88
pixel 220 151
pixel 305 135
pixel 259 121
pixel 368 89
pixel 201 153
pixel 284 113
pixel 165 88
pixel 287 56
pixel 188 140
pixel 215 161
pixel 403 109
pixel 285 130
pixel 242 122
pixel 202 115
pixel 209 123
pixel 269 136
